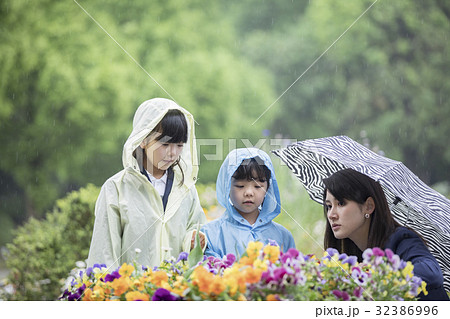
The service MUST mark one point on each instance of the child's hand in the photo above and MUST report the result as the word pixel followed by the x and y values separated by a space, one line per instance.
pixel 202 239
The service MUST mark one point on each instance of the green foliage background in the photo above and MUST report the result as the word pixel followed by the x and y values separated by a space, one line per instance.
pixel 74 72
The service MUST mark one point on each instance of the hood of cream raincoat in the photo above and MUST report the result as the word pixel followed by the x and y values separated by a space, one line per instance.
pixel 129 212
pixel 231 232
pixel 147 116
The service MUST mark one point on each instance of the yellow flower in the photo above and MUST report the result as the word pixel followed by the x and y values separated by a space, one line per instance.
pixel 179 286
pixel 424 288
pixel 242 298
pixel 272 253
pixel 139 283
pixel 136 295
pixel 126 270
pixel 253 249
pixel 98 293
pixel 407 271
pixel 232 285
pixel 261 264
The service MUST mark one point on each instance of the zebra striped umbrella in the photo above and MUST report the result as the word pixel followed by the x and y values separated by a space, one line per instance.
pixel 412 202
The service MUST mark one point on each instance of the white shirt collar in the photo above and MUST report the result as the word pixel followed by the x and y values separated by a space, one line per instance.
pixel 159 183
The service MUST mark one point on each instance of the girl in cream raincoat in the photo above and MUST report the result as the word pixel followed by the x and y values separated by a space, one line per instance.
pixel 152 205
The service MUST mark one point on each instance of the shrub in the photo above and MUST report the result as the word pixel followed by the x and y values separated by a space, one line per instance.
pixel 44 251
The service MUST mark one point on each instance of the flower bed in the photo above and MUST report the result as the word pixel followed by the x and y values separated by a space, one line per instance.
pixel 263 273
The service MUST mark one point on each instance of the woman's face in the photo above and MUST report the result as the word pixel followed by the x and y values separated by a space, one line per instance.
pixel 347 220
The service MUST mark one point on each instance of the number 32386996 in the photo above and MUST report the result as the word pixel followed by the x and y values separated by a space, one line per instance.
pixel 406 310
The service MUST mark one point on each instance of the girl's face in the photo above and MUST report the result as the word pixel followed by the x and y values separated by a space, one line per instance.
pixel 347 219
pixel 161 155
pixel 247 196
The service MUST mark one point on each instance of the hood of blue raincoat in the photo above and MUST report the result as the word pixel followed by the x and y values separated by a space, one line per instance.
pixel 147 116
pixel 271 205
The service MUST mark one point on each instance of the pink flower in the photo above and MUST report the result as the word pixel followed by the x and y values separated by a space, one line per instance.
pixel 341 295
pixel 358 292
pixel 378 252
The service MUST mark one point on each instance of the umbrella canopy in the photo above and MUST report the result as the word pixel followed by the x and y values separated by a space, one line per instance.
pixel 412 203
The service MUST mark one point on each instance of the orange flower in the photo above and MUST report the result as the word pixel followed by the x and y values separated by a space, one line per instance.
pixel 126 270
pixel 246 261
pixel 252 275
pixel 120 285
pixel 272 297
pixel 87 295
pixel 202 278
pixel 136 295
pixel 158 277
pixel 217 286
pixel 96 294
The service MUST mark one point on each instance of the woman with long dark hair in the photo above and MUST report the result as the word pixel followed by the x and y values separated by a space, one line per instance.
pixel 358 217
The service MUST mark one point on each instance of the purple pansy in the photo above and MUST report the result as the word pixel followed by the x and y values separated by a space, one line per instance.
pixel 358 292
pixel 341 295
pixel 162 294
pixel 182 256
pixel 351 260
pixel 111 276
pixel 331 252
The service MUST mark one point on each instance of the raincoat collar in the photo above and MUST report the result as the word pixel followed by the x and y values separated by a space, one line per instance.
pixel 147 116
pixel 271 205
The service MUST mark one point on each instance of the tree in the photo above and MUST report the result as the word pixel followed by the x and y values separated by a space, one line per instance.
pixel 69 90
pixel 57 99
pixel 386 76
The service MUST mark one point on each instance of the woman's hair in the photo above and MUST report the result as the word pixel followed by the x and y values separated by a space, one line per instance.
pixel 351 185
pixel 253 169
pixel 173 128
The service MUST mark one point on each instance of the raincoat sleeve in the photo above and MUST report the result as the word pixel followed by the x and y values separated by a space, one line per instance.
pixel 196 219
pixel 210 251
pixel 410 247
pixel 106 243
pixel 289 241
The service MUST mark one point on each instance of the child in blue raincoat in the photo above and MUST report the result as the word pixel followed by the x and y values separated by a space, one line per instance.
pixel 246 186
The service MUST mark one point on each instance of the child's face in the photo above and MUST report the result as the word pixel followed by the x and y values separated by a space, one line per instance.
pixel 161 155
pixel 247 196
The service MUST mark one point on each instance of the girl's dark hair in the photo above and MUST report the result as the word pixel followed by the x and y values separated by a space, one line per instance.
pixel 173 128
pixel 253 168
pixel 352 185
